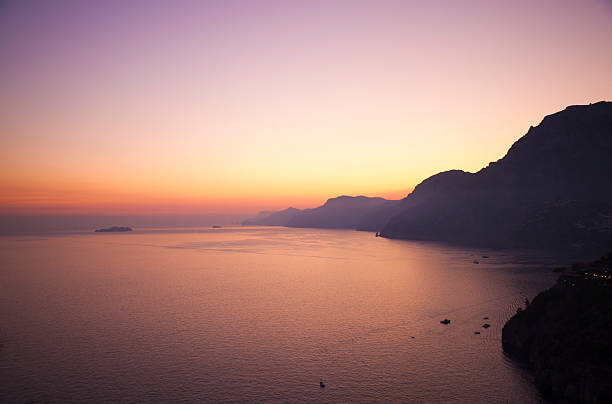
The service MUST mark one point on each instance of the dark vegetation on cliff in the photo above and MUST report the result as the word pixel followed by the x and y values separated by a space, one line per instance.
pixel 566 335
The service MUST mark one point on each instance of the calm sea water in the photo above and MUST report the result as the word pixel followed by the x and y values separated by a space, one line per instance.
pixel 258 315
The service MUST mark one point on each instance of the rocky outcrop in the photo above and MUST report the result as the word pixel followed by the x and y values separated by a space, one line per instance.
pixel 566 335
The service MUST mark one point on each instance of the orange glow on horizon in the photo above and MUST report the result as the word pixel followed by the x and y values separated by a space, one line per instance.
pixel 218 107
pixel 79 201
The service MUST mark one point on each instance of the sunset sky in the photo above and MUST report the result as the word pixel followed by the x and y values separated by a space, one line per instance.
pixel 238 106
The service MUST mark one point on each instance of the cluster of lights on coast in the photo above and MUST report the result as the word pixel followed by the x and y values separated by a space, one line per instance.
pixel 599 275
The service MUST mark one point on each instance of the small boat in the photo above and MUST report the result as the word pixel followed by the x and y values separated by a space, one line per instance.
pixel 486 325
pixel 477 332
pixel 476 262
pixel 321 383
pixel 445 321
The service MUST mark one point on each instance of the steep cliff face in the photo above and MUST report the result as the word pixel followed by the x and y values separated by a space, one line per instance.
pixel 559 169
pixel 566 335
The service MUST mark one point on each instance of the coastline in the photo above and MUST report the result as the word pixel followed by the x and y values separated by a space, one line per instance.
pixel 565 335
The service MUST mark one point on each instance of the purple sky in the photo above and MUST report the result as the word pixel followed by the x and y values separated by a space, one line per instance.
pixel 232 106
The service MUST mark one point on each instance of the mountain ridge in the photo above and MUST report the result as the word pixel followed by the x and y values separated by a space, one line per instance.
pixel 341 212
pixel 558 169
pixel 549 191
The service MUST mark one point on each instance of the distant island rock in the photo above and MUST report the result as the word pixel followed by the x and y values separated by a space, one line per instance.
pixel 566 335
pixel 113 229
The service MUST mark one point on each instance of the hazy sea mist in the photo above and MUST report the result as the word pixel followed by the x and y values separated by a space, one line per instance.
pixel 11 224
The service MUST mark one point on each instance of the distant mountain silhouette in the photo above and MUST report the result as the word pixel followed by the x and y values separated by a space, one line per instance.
pixel 343 212
pixel 551 190
pixel 267 218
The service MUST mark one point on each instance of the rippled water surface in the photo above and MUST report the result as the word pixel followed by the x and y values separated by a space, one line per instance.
pixel 258 314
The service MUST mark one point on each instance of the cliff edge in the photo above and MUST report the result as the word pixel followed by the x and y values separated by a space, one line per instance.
pixel 565 334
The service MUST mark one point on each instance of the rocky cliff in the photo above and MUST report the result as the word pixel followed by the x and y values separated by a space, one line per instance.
pixel 566 335
pixel 550 191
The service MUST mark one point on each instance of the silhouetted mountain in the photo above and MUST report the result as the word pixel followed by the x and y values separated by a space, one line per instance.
pixel 267 218
pixel 260 216
pixel 551 190
pixel 376 219
pixel 343 212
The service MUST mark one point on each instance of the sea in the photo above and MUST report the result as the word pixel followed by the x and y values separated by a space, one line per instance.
pixel 259 314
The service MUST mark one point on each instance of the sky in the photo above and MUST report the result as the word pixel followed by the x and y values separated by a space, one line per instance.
pixel 240 106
